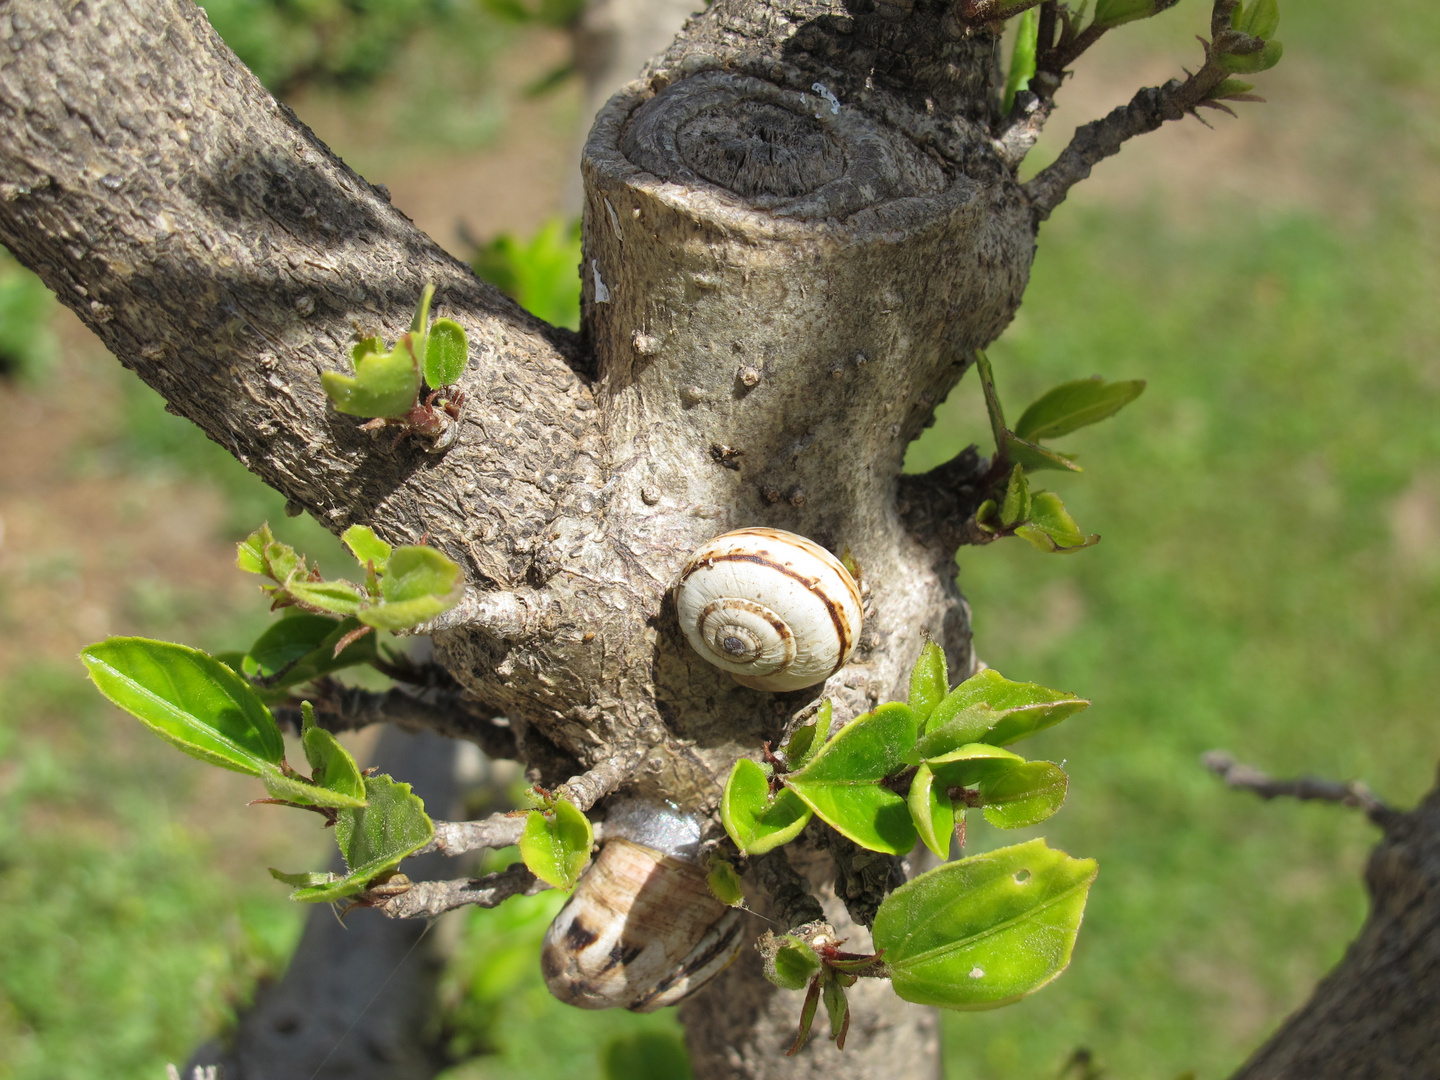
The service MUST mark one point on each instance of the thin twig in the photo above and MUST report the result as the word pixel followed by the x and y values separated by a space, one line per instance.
pixel 347 708
pixel 458 837
pixel 1248 778
pixel 426 899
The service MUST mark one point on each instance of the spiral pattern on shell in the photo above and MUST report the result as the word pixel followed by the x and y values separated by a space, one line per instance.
pixel 775 610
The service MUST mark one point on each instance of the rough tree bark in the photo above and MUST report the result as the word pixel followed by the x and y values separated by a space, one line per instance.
pixel 798 227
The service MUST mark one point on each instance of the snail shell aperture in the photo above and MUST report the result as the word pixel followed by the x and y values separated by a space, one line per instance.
pixel 775 610
pixel 641 931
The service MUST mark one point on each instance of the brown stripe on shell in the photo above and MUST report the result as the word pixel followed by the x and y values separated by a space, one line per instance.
pixel 837 615
pixel 724 943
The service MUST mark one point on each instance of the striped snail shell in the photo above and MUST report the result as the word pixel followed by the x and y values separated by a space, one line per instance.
pixel 775 610
pixel 642 929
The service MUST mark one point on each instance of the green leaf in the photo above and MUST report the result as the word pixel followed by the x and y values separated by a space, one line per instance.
pixel 556 844
pixel 725 883
pixel 1016 506
pixel 384 384
pixel 250 552
pixel 929 681
pixel 1112 13
pixel 836 1008
pixel 789 962
pixel 189 699
pixel 337 597
pixel 992 399
pixel 295 789
pixel 1074 405
pixel 446 354
pixel 842 783
pixel 305 880
pixel 1021 709
pixel 957 726
pixel 375 838
pixel 1052 529
pixel 366 345
pixel 1250 63
pixel 752 819
pixel 932 811
pixel 972 764
pixel 1025 795
pixel 421 318
pixel 419 583
pixel 1022 57
pixel 331 765
pixel 282 562
pixel 984 931
pixel 1260 19
pixel 302 647
pixel 367 548
pixel 798 747
pixel 1034 457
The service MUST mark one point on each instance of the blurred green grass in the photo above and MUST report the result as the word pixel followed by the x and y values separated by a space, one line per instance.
pixel 1267 582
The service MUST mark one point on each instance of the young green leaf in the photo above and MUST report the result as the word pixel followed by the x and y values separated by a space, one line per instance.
pixel 384 384
pixel 374 839
pixel 975 763
pixel 1250 63
pixel 189 699
pixel 842 783
pixel 1025 795
pixel 305 880
pixel 282 562
pixel 752 819
pixel 807 1017
pixel 1260 18
pixel 1051 528
pixel 1016 506
pixel 992 399
pixel 250 552
pixel 421 318
pixel 446 354
pixel 419 583
pixel 1112 13
pixel 724 883
pixel 293 789
pixel 837 1009
pixel 929 681
pixel 1022 57
pixel 1074 405
pixel 336 597
pixel 984 931
pixel 301 648
pixel 556 844
pixel 367 547
pixel 331 765
pixel 932 811
pixel 805 742
pixel 1020 710
pixel 789 962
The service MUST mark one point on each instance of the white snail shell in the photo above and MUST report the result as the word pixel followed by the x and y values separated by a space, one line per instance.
pixel 775 610
pixel 641 931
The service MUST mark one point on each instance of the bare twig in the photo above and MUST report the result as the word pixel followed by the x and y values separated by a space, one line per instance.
pixel 590 787
pixel 1248 778
pixel 425 899
pixel 348 708
pixel 789 892
pixel 1146 111
pixel 458 837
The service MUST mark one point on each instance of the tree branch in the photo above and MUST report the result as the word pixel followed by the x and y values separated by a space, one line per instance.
pixel 1248 778
pixel 458 837
pixel 227 256
pixel 426 899
pixel 349 708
